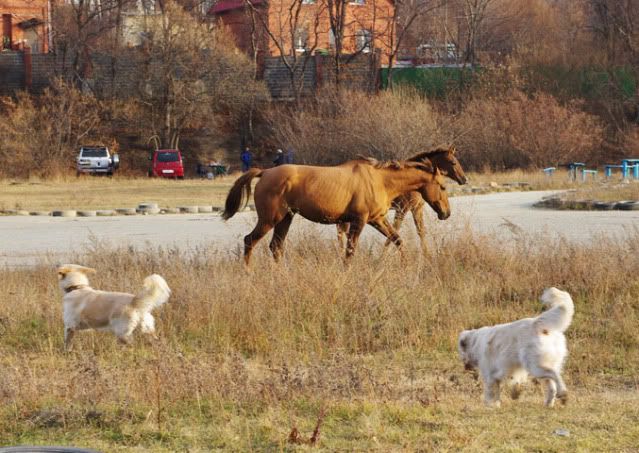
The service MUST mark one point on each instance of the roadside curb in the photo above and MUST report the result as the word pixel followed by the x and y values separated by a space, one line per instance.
pixel 64 213
pixel 557 203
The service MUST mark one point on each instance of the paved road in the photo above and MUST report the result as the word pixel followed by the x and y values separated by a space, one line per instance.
pixel 25 240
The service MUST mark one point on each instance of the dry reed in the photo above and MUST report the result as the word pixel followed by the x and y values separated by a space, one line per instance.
pixel 369 349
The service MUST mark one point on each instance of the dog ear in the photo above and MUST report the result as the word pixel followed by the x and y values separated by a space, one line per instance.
pixel 67 268
pixel 87 270
pixel 463 341
pixel 63 270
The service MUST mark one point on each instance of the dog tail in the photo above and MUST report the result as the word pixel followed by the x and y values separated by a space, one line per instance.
pixel 154 292
pixel 559 314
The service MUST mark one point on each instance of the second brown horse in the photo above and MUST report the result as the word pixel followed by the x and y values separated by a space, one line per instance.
pixel 444 159
pixel 360 193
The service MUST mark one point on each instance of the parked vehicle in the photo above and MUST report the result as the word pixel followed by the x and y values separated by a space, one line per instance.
pixel 96 159
pixel 167 163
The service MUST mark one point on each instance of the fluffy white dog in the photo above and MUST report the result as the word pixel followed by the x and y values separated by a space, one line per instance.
pixel 120 313
pixel 535 346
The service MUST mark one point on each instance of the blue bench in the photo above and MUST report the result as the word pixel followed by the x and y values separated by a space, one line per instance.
pixel 573 169
pixel 626 165
pixel 549 171
pixel 608 170
pixel 585 173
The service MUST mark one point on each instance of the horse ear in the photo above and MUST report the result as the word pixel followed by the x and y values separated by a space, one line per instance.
pixel 452 149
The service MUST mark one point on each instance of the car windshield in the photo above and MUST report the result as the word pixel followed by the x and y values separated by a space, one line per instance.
pixel 170 156
pixel 94 152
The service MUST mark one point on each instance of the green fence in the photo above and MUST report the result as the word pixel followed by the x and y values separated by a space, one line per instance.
pixel 433 82
pixel 564 82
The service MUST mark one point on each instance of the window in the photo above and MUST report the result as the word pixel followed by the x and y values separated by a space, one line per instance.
pixel 94 152
pixel 357 2
pixel 301 40
pixel 168 156
pixel 308 2
pixel 363 41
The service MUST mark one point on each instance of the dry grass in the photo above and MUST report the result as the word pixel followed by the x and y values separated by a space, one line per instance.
pixel 245 358
pixel 607 192
pixel 536 179
pixel 110 193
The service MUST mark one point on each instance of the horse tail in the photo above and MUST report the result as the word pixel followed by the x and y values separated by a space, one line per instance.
pixel 240 192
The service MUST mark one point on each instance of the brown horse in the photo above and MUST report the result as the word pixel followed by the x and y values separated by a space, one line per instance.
pixel 359 193
pixel 443 158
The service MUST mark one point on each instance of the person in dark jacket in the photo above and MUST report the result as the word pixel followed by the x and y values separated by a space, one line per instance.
pixel 247 159
pixel 279 158
pixel 290 155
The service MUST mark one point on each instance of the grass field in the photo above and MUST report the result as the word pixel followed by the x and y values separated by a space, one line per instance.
pixel 110 193
pixel 611 192
pixel 368 350
pixel 120 192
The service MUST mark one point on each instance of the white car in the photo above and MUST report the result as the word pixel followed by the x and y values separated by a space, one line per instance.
pixel 96 159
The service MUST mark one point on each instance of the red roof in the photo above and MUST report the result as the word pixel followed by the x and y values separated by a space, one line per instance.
pixel 228 5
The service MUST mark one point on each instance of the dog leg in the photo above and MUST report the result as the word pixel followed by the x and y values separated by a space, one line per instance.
pixel 515 390
pixel 125 340
pixel 68 336
pixel 148 326
pixel 551 391
pixel 548 373
pixel 491 393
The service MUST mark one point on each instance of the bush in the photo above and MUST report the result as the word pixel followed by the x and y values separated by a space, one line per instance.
pixel 335 128
pixel 522 131
pixel 39 136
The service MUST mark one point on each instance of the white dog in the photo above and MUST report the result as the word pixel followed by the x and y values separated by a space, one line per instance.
pixel 120 313
pixel 535 346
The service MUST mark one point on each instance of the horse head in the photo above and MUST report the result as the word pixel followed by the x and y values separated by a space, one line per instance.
pixel 434 191
pixel 445 160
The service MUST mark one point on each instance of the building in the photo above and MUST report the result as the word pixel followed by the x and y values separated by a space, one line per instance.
pixel 26 24
pixel 282 27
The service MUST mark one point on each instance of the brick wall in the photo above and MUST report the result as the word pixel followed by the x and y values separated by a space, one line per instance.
pixel 358 73
pixel 120 77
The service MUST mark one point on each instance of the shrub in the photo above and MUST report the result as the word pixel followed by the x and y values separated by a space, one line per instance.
pixel 522 131
pixel 335 128
pixel 38 135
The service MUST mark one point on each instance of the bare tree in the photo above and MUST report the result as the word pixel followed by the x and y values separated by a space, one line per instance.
pixel 399 25
pixel 79 25
pixel 292 28
pixel 191 73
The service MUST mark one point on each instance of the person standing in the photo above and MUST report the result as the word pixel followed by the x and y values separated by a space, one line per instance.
pixel 247 159
pixel 279 158
pixel 290 155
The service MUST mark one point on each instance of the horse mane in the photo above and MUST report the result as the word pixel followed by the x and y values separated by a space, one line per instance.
pixel 398 165
pixel 430 153
pixel 394 164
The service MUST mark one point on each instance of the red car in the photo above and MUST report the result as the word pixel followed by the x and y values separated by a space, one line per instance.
pixel 167 163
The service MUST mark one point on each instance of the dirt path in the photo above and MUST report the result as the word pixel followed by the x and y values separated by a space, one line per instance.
pixel 25 240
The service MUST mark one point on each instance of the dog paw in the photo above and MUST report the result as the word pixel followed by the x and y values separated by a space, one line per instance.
pixel 563 397
pixel 515 391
